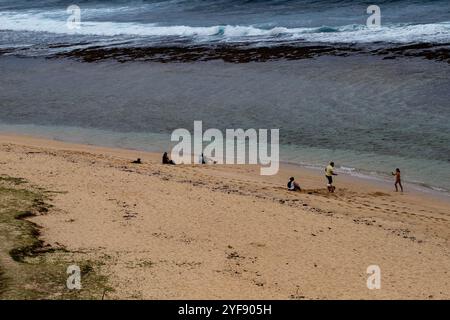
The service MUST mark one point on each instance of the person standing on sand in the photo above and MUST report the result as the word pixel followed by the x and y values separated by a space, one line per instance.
pixel 329 173
pixel 397 180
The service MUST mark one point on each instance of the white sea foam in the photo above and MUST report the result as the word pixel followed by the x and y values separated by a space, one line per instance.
pixel 399 33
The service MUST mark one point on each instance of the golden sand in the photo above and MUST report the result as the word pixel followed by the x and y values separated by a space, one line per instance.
pixel 221 231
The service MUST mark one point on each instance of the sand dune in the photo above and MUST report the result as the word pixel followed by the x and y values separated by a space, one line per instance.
pixel 196 232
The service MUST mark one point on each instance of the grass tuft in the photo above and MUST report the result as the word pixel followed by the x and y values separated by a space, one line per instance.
pixel 28 268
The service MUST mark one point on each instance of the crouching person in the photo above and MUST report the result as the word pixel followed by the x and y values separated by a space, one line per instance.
pixel 292 185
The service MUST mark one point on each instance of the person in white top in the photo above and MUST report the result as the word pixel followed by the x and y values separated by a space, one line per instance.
pixel 329 173
pixel 292 185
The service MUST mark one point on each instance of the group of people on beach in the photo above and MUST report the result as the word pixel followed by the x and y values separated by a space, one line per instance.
pixel 329 173
pixel 292 185
pixel 202 159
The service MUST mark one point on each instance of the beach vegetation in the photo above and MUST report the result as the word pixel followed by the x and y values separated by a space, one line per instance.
pixel 29 268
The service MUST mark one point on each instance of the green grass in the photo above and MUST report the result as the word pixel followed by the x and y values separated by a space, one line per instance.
pixel 15 181
pixel 28 269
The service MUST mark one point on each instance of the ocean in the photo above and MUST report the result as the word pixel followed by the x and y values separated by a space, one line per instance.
pixel 369 99
pixel 41 25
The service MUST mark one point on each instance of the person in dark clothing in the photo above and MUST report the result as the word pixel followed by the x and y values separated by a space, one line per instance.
pixel 202 159
pixel 166 160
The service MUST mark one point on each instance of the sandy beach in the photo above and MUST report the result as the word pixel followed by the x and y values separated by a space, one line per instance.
pixel 225 232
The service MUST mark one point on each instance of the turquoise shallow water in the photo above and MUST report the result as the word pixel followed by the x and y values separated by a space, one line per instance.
pixel 360 165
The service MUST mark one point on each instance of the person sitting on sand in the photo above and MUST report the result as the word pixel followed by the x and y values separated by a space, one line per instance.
pixel 202 159
pixel 166 160
pixel 329 173
pixel 292 185
pixel 397 180
pixel 138 161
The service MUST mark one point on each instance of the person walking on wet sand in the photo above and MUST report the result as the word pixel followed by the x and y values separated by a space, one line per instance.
pixel 398 180
pixel 329 173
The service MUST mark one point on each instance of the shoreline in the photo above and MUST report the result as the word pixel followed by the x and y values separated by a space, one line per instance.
pixel 182 151
pixel 364 179
pixel 111 85
pixel 220 231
